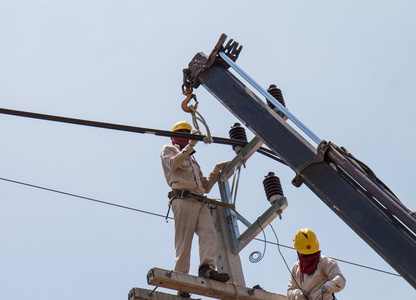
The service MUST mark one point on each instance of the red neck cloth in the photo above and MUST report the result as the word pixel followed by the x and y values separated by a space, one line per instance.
pixel 309 263
pixel 181 142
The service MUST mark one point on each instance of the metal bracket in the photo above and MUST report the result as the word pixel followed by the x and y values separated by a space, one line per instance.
pixel 237 241
pixel 232 49
pixel 317 159
pixel 265 219
pixel 201 62
pixel 241 158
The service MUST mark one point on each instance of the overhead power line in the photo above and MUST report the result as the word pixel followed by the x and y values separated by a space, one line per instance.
pixel 159 215
pixel 337 259
pixel 82 197
pixel 158 132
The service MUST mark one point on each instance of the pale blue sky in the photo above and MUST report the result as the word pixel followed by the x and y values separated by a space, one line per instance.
pixel 347 70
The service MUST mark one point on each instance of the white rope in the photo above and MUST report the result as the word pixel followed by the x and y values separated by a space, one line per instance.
pixel 195 119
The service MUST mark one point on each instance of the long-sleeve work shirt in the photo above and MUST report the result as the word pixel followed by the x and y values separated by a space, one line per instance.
pixel 183 172
pixel 327 273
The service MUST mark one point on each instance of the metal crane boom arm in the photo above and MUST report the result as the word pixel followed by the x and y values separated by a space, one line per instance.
pixel 371 211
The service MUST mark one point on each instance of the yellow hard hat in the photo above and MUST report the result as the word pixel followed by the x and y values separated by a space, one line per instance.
pixel 182 125
pixel 305 242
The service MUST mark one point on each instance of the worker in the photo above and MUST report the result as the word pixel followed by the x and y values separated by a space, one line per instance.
pixel 314 276
pixel 188 184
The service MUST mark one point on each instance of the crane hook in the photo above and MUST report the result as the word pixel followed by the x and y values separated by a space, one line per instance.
pixel 189 97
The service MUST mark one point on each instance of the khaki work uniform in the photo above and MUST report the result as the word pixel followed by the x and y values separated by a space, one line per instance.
pixel 191 216
pixel 327 273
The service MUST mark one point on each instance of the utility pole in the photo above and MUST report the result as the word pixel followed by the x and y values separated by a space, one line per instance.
pixel 230 243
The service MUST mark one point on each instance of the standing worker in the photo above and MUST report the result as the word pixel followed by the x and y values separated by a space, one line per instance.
pixel 314 276
pixel 188 184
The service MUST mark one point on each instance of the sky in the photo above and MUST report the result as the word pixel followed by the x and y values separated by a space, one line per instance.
pixel 346 69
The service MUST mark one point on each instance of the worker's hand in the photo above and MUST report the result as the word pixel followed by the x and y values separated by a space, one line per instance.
pixel 222 165
pixel 298 294
pixel 327 288
pixel 318 294
pixel 193 142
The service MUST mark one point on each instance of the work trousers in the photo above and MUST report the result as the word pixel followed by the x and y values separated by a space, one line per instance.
pixel 192 216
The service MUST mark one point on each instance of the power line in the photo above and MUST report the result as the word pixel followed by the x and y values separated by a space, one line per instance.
pixel 158 132
pixel 159 215
pixel 82 197
pixel 337 259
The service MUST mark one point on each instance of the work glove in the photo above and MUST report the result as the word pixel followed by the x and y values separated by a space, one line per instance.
pixel 222 165
pixel 193 142
pixel 328 287
pixel 298 294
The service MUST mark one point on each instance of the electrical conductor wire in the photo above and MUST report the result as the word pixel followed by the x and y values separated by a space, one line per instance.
pixel 259 256
pixel 165 133
pixel 284 260
pixel 82 197
pixel 163 216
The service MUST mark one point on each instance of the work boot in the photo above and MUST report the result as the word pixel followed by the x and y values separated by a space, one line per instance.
pixel 184 294
pixel 206 272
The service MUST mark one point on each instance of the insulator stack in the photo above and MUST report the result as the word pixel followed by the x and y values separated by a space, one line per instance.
pixel 238 133
pixel 272 187
pixel 277 94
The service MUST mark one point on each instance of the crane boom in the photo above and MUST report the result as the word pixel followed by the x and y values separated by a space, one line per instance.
pixel 349 190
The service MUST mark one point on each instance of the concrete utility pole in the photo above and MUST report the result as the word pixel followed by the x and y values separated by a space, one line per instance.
pixel 226 261
pixel 230 243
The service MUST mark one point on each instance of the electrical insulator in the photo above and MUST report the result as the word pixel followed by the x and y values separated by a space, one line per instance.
pixel 277 94
pixel 238 133
pixel 272 187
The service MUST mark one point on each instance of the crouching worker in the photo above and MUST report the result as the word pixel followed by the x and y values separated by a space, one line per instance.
pixel 188 184
pixel 314 276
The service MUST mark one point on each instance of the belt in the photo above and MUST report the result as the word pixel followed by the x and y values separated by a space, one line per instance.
pixel 184 194
pixel 181 194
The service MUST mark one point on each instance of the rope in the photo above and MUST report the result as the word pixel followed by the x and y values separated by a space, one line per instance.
pixel 192 110
pixel 195 119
